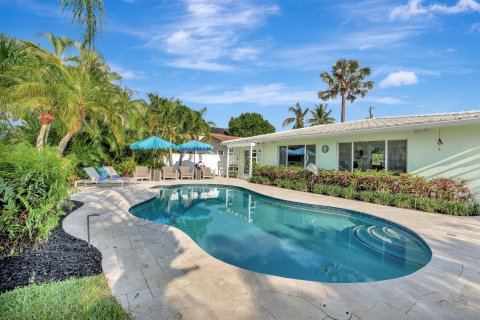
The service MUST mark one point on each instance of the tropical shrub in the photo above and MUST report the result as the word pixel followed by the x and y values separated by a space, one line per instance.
pixel 33 187
pixel 426 204
pixel 126 167
pixel 443 195
pixel 259 180
pixel 289 184
pixel 416 186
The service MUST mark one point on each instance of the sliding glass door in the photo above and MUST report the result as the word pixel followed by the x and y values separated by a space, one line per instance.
pixel 378 155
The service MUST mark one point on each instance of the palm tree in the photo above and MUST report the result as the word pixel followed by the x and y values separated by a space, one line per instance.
pixel 298 118
pixel 320 115
pixel 28 81
pixel 86 13
pixel 346 80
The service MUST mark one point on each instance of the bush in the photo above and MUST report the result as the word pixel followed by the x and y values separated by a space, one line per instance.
pixel 320 189
pixel 334 191
pixel 350 193
pixel 456 209
pixel 383 198
pixel 426 204
pixel 126 167
pixel 443 195
pixel 33 186
pixel 366 196
pixel 403 201
pixel 289 184
pixel 260 180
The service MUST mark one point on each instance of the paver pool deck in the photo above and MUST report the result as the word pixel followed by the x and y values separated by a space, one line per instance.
pixel 157 272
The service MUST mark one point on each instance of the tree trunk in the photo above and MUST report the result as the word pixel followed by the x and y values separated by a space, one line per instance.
pixel 170 157
pixel 182 154
pixel 41 136
pixel 343 107
pixel 45 118
pixel 64 142
pixel 45 140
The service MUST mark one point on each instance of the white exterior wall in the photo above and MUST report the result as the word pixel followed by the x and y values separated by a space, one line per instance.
pixel 215 162
pixel 458 157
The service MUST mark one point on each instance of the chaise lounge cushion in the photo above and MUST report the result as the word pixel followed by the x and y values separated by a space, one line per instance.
pixel 103 172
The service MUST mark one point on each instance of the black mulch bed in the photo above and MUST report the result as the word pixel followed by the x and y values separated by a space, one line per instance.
pixel 61 257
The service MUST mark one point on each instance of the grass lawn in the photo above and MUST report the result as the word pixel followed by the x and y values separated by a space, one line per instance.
pixel 84 298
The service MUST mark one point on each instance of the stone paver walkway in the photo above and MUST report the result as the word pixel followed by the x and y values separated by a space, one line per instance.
pixel 158 272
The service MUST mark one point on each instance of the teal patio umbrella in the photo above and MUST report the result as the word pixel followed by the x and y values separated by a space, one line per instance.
pixel 194 146
pixel 153 143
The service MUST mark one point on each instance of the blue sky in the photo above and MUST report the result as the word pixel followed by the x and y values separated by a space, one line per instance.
pixel 263 56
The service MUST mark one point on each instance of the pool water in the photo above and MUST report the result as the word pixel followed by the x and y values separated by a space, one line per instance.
pixel 287 239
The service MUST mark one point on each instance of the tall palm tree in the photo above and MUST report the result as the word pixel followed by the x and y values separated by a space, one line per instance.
pixel 298 118
pixel 86 13
pixel 346 80
pixel 320 115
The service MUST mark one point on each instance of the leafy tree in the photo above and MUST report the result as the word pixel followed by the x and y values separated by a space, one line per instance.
pixel 171 120
pixel 346 80
pixel 298 118
pixel 249 124
pixel 320 115
pixel 86 13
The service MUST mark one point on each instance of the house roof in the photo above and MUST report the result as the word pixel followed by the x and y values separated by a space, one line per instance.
pixel 222 137
pixel 368 125
pixel 217 130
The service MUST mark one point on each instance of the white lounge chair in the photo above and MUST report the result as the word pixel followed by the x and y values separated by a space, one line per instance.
pixel 112 173
pixel 95 178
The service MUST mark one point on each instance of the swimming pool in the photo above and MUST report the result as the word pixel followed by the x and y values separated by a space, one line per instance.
pixel 287 239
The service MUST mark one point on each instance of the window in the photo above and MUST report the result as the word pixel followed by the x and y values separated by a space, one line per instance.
pixel 220 152
pixel 369 155
pixel 247 160
pixel 345 156
pixel 373 155
pixel 297 155
pixel 282 155
pixel 311 153
pixel 397 156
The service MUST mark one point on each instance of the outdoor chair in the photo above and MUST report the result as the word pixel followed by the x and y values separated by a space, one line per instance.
pixel 95 178
pixel 185 173
pixel 207 173
pixel 112 173
pixel 169 173
pixel 142 173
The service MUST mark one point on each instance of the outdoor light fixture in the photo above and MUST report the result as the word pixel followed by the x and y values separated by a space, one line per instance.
pixel 439 141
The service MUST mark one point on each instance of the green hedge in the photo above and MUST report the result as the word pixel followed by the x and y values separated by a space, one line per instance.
pixel 443 195
pixel 33 188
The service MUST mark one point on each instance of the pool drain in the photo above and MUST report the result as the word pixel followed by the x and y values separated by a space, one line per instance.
pixel 336 310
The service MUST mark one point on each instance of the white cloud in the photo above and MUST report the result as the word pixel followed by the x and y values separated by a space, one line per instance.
pixel 384 100
pixel 462 6
pixel 474 27
pixel 200 65
pixel 127 74
pixel 415 8
pixel 399 78
pixel 211 31
pixel 270 94
pixel 411 9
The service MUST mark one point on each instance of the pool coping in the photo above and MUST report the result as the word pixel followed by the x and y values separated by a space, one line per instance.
pixel 444 278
